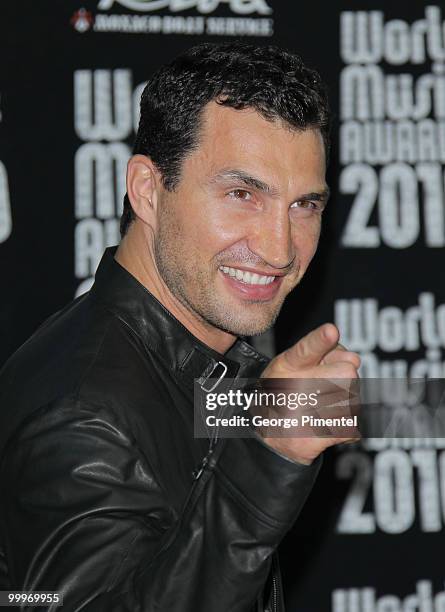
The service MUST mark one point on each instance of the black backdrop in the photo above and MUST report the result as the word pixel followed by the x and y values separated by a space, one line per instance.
pixel 371 535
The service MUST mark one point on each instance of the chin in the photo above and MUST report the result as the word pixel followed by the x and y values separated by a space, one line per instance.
pixel 243 326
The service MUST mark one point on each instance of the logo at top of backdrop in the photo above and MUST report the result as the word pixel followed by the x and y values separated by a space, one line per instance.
pixel 241 7
pixel 82 20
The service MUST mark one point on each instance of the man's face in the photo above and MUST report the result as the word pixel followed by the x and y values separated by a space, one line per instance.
pixel 239 231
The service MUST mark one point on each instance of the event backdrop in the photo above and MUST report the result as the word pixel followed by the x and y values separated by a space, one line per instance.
pixel 371 536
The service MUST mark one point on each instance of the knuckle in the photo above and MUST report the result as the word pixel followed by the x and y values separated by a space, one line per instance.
pixel 356 358
pixel 302 348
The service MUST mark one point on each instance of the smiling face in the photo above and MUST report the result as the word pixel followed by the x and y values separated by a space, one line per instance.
pixel 239 231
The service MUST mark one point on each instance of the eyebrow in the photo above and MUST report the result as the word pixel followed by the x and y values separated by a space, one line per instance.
pixel 246 179
pixel 256 183
pixel 321 196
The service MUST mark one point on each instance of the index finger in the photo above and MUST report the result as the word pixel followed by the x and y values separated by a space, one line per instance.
pixel 310 350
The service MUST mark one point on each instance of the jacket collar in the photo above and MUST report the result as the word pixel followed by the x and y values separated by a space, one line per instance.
pixel 162 333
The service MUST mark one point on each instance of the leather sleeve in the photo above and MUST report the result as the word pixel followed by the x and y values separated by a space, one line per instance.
pixel 85 515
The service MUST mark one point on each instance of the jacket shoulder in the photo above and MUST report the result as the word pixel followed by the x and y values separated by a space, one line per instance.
pixel 84 350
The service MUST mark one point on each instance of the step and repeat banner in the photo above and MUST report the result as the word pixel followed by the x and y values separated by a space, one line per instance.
pixel 370 539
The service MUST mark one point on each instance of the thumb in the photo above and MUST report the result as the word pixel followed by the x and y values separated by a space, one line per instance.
pixel 310 350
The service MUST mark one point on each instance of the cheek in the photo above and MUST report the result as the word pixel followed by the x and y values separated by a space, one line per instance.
pixel 305 238
pixel 221 228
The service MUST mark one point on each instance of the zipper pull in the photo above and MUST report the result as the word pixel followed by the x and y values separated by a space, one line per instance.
pixel 199 470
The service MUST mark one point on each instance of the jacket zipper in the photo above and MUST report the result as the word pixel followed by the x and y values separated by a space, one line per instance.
pixel 201 467
pixel 274 594
pixel 275 589
pixel 196 475
pixel 212 443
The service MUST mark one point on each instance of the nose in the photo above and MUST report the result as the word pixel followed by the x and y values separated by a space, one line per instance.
pixel 271 239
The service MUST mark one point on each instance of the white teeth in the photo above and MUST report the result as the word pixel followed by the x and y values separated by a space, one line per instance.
pixel 247 277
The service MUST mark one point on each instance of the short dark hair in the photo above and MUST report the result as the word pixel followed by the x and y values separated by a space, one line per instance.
pixel 274 82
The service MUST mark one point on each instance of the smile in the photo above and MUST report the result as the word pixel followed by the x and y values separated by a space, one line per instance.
pixel 247 277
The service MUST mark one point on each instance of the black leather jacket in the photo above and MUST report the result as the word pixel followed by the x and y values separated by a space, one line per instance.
pixel 100 496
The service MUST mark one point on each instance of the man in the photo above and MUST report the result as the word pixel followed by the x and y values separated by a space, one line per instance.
pixel 106 496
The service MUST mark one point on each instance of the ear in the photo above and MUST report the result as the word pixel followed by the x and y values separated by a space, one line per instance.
pixel 143 182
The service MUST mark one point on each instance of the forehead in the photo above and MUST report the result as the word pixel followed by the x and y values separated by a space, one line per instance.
pixel 269 149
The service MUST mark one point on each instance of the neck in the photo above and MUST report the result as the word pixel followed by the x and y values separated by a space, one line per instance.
pixel 136 256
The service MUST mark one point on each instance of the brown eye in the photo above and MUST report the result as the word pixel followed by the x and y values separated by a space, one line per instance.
pixel 306 205
pixel 240 194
